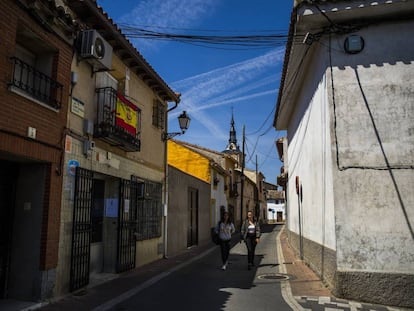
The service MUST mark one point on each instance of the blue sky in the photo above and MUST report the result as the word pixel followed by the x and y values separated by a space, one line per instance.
pixel 215 81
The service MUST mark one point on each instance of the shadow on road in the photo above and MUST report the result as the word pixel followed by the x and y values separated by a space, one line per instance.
pixel 204 286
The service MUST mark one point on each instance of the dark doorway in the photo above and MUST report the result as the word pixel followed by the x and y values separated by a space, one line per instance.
pixel 8 173
pixel 97 218
pixel 192 236
pixel 97 212
pixel 279 217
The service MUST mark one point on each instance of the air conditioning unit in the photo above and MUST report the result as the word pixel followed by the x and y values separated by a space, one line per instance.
pixel 94 49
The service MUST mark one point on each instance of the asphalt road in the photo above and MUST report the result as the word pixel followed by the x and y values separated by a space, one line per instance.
pixel 202 285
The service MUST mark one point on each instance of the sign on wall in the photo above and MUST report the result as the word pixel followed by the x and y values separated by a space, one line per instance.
pixel 78 107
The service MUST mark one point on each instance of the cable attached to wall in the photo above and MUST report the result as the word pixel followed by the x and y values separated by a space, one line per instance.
pixel 342 168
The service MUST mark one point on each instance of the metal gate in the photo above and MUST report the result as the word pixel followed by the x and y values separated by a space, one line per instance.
pixel 127 224
pixel 81 230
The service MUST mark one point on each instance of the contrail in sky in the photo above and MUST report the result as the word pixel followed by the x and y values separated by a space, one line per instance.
pixel 227 85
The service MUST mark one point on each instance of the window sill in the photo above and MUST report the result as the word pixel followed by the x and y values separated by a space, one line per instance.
pixel 27 96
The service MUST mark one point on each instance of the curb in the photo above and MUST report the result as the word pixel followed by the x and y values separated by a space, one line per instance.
pixel 285 286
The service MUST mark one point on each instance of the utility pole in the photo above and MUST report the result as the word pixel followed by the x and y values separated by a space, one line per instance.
pixel 242 180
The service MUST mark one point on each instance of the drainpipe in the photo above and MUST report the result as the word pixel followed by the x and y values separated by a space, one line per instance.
pixel 165 242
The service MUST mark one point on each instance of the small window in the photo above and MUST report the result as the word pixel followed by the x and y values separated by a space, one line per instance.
pixel 158 114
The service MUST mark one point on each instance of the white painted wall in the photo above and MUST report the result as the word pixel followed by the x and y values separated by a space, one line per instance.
pixel 218 195
pixel 357 206
pixel 272 209
pixel 309 158
pixel 375 130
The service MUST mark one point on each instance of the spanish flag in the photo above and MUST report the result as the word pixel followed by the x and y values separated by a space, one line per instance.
pixel 126 114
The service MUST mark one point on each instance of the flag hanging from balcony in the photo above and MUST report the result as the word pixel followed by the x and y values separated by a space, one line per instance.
pixel 126 114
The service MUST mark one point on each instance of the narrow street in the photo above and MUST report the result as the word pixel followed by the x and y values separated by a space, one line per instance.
pixel 202 285
pixel 195 281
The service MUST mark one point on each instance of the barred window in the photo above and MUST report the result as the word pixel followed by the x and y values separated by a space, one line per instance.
pixel 149 210
pixel 158 114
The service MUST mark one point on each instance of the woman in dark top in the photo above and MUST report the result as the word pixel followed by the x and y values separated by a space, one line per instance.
pixel 250 232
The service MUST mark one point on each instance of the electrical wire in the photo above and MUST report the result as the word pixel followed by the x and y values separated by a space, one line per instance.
pixel 267 156
pixel 254 40
pixel 264 122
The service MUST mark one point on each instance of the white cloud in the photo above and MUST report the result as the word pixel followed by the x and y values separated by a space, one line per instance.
pixel 245 70
pixel 233 100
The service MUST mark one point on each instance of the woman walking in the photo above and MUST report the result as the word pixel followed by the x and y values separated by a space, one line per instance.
pixel 225 228
pixel 250 232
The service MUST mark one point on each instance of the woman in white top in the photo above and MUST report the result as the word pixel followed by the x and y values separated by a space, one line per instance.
pixel 250 234
pixel 225 228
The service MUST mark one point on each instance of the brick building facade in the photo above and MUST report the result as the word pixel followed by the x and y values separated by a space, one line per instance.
pixel 35 60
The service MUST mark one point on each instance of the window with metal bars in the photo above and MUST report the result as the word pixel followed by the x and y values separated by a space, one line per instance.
pixel 149 209
pixel 158 114
pixel 34 70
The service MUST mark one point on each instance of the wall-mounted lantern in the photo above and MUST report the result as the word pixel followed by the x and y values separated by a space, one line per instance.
pixel 184 122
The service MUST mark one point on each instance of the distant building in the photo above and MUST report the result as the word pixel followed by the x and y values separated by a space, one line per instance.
pixel 197 195
pixel 275 203
pixel 231 191
pixel 259 195
pixel 276 212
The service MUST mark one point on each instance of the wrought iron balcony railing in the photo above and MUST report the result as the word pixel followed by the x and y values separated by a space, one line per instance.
pixel 36 84
pixel 106 126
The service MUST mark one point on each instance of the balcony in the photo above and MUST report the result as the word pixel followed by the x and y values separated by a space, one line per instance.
pixel 33 84
pixel 109 127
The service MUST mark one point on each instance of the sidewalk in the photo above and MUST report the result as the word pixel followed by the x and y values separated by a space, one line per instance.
pixel 308 289
pixel 305 281
pixel 126 284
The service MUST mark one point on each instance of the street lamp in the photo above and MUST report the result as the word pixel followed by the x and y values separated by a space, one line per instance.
pixel 184 122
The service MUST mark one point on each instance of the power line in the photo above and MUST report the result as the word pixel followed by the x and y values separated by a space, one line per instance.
pixel 264 122
pixel 256 39
pixel 126 25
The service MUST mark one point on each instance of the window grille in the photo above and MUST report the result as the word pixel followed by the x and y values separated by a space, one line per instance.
pixel 158 114
pixel 35 84
pixel 149 209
